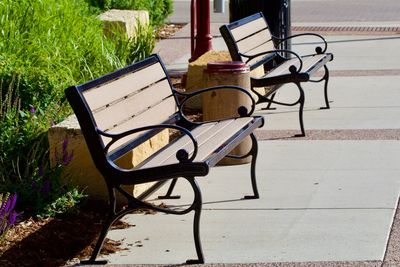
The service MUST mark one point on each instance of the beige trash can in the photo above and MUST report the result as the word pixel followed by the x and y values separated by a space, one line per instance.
pixel 223 104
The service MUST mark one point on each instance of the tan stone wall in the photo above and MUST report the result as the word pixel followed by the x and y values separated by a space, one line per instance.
pixel 82 172
pixel 124 21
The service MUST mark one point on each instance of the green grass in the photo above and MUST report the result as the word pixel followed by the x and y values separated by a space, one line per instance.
pixel 51 44
pixel 46 46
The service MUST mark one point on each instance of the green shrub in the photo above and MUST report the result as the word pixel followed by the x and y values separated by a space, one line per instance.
pixel 159 10
pixel 46 46
pixel 51 44
pixel 42 194
pixel 138 47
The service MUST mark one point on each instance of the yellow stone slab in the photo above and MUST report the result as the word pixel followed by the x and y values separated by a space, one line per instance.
pixel 196 79
pixel 82 171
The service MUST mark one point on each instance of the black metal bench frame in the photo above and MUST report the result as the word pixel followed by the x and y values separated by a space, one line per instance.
pixel 186 166
pixel 274 58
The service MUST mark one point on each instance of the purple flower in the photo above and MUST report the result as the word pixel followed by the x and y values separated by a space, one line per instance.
pixel 8 203
pixel 65 145
pixel 33 185
pixel 12 218
pixel 13 201
pixel 66 157
pixel 32 109
pixel 7 214
pixel 40 171
pixel 46 187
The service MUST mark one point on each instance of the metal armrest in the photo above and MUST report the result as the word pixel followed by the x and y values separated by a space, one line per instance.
pixel 318 49
pixel 242 111
pixel 292 68
pixel 182 155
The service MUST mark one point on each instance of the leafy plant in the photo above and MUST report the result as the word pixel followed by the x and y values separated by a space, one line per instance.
pixel 46 46
pixel 43 194
pixel 8 215
pixel 23 141
pixel 61 45
pixel 139 46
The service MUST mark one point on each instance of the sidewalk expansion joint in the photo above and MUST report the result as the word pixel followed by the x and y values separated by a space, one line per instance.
pixel 344 134
pixel 352 29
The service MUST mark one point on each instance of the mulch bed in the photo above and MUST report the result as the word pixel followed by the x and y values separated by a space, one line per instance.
pixel 53 241
pixel 168 30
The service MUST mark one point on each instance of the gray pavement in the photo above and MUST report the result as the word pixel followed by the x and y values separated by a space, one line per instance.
pixel 327 205
pixel 325 201
pixel 315 11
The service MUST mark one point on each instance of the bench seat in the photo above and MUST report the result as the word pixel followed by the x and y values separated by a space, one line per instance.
pixel 280 74
pixel 211 138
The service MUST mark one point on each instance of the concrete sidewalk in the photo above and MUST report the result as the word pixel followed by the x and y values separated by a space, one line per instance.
pixel 329 199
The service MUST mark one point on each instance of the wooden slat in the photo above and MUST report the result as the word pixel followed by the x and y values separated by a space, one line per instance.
pixel 183 142
pixel 264 48
pixel 309 64
pixel 101 96
pixel 316 62
pixel 208 141
pixel 244 30
pixel 262 38
pixel 156 115
pixel 220 137
pixel 283 68
pixel 122 110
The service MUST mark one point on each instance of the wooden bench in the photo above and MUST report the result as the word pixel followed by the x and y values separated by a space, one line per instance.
pixel 123 109
pixel 249 40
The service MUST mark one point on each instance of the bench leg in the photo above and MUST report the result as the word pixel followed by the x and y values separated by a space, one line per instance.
pixel 268 107
pixel 196 206
pixel 171 187
pixel 254 152
pixel 301 102
pixel 137 204
pixel 112 217
pixel 326 78
pixel 264 99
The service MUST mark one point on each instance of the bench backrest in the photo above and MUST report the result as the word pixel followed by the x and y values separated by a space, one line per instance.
pixel 249 36
pixel 135 96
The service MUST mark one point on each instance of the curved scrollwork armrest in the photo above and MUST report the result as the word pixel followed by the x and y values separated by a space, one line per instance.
pixel 318 49
pixel 292 68
pixel 242 111
pixel 182 155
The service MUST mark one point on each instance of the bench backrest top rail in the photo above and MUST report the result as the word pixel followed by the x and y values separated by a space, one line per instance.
pixel 135 96
pixel 249 36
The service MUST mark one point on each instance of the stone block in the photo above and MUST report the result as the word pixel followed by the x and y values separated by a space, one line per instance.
pixel 195 79
pixel 123 21
pixel 82 171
